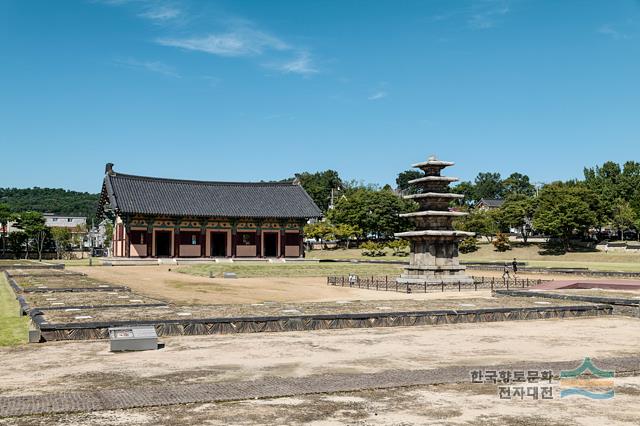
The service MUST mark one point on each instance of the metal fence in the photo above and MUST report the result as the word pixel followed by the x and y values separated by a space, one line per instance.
pixel 389 283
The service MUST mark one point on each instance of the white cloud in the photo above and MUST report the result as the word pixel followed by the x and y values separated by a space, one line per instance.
pixel 151 66
pixel 160 13
pixel 301 64
pixel 483 15
pixel 380 94
pixel 153 10
pixel 241 38
pixel 478 14
pixel 246 41
pixel 610 31
pixel 241 42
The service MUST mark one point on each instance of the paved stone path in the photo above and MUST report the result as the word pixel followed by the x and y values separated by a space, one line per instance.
pixel 272 387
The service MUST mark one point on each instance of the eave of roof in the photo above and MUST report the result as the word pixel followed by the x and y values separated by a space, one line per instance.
pixel 146 195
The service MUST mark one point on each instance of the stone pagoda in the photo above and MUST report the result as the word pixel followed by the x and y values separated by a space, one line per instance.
pixel 434 243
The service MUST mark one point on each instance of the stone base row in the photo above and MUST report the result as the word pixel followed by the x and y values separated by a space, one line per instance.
pixel 49 332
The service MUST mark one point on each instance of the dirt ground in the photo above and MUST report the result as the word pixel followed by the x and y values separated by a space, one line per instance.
pixel 69 366
pixel 165 283
pixel 453 404
pixel 159 282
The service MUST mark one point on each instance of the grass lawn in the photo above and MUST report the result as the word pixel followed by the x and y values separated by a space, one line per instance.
pixel 77 262
pixel 351 254
pixel 532 254
pixel 13 328
pixel 260 269
pixel 535 257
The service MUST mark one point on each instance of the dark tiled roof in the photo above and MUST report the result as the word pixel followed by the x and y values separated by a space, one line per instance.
pixel 491 202
pixel 173 197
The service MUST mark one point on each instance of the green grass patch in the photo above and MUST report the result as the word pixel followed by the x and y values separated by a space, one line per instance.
pixel 352 254
pixel 13 327
pixel 533 254
pixel 258 269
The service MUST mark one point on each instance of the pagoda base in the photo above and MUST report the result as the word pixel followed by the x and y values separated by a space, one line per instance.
pixel 434 279
pixel 431 275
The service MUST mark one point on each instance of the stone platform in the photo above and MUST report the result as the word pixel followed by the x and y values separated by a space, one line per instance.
pixel 585 284
pixel 275 317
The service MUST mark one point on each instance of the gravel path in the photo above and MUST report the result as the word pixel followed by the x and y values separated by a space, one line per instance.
pixel 271 387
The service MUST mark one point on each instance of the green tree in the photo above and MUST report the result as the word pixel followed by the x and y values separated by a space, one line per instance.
pixel 62 240
pixel 321 231
pixel 5 217
pixel 482 222
pixel 563 210
pixel 108 231
pixel 488 185
pixel 604 181
pixel 402 181
pixel 33 225
pixel 375 212
pixel 319 185
pixel 517 212
pixel 624 217
pixel 56 200
pixel 17 240
pixel 346 232
pixel 518 184
pixel 467 189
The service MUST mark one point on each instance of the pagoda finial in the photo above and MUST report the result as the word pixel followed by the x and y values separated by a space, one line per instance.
pixel 432 157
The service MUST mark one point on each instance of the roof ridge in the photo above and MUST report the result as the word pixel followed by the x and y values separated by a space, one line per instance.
pixel 200 182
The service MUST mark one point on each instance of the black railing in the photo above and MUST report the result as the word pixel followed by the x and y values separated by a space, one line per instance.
pixel 390 283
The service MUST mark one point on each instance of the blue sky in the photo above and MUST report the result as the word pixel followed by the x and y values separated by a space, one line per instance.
pixel 251 90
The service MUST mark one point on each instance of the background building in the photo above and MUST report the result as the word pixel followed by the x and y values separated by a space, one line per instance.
pixel 157 217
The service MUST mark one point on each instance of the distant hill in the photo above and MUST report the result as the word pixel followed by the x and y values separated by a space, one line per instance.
pixel 53 200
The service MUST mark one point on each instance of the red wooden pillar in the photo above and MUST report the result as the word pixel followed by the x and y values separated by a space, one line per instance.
pixel 258 242
pixel 234 241
pixel 176 242
pixel 149 241
pixel 301 242
pixel 127 238
pixel 282 242
pixel 203 242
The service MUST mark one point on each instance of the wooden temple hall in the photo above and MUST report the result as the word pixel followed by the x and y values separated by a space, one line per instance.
pixel 158 217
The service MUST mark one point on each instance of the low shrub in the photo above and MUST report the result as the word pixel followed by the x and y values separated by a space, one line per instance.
pixel 468 245
pixel 501 242
pixel 371 248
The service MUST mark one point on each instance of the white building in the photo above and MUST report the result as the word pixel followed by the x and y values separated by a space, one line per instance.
pixel 60 221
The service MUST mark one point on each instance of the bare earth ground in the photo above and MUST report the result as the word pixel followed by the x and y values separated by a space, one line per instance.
pixel 71 366
pixel 455 404
pixel 160 282
pixel 87 365
pixel 77 366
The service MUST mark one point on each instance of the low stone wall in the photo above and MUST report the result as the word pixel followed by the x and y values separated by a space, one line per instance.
pixel 31 265
pixel 621 306
pixel 99 330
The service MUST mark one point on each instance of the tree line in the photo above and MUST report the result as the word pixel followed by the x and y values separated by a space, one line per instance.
pixel 34 236
pixel 55 200
pixel 608 197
